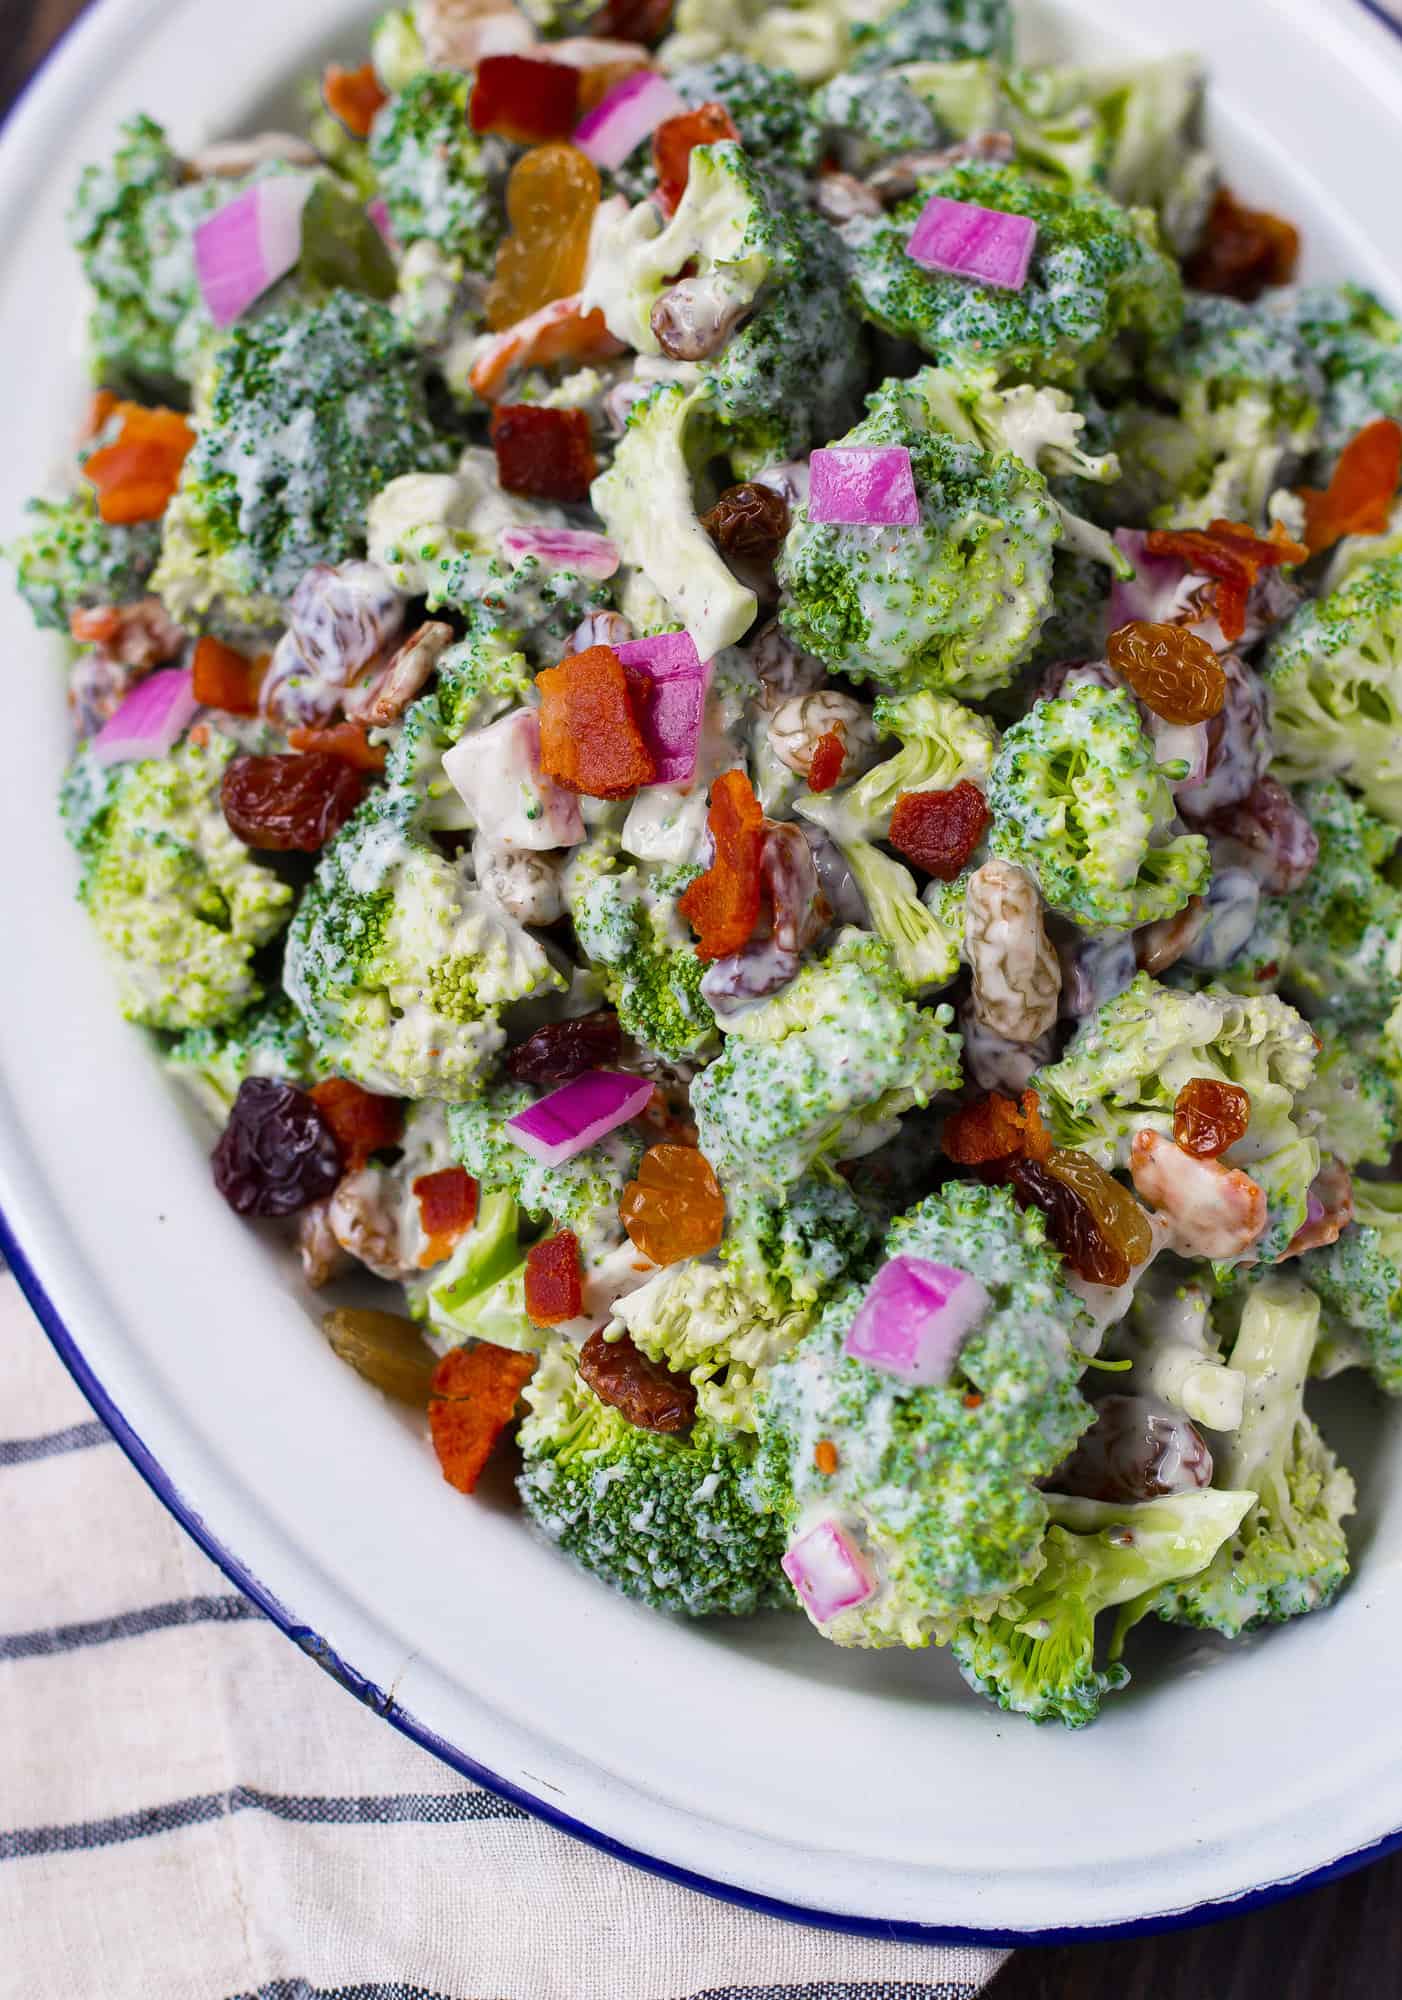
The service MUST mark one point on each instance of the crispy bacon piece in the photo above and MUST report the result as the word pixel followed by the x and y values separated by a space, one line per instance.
pixel 362 1122
pixel 938 831
pixel 350 740
pixel 94 627
pixel 135 475
pixel 100 408
pixel 554 1282
pixel 676 139
pixel 829 756
pixel 557 332
pixel 471 1402
pixel 1359 497
pixel 589 736
pixel 352 96
pixel 447 1210
pixel 227 679
pixel 722 906
pixel 524 98
pixel 1243 251
pixel 544 454
pixel 1233 556
pixel 993 1129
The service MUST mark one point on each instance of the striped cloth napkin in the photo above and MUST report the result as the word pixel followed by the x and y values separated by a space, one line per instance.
pixel 189 1810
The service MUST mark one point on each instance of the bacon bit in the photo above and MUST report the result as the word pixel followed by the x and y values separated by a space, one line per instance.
pixel 973 1400
pixel 524 99
pixel 353 96
pixel 938 831
pixel 829 756
pixel 471 1402
pixel 1036 1139
pixel 362 1122
pixel 722 906
pixel 554 1284
pixel 676 139
pixel 632 20
pixel 1243 251
pixel 1233 556
pixel 589 736
pixel 350 740
pixel 993 1129
pixel 135 475
pixel 558 332
pixel 227 679
pixel 95 627
pixel 825 1457
pixel 447 1210
pixel 103 402
pixel 199 735
pixel 1358 499
pixel 544 454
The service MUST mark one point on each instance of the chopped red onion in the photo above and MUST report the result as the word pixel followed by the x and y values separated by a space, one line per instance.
pixel 628 114
pixel 496 773
pixel 152 719
pixel 914 1319
pixel 969 241
pixel 1161 591
pixel 558 1126
pixel 577 549
pixel 248 243
pixel 671 721
pixel 854 484
pixel 378 212
pixel 828 1571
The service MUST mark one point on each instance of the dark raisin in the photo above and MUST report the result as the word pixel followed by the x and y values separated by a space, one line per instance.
pixel 277 1153
pixel 290 802
pixel 1135 1450
pixel 643 1391
pixel 748 525
pixel 564 1049
pixel 1092 1249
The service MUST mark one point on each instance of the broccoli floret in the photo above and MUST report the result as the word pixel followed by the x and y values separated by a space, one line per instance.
pixel 177 899
pixel 953 604
pixel 1335 678
pixel 1097 276
pixel 270 1039
pixel 581 1194
pixel 631 931
pixel 811 38
pixel 1355 1095
pixel 1079 801
pixel 937 1484
pixel 479 1292
pixel 936 31
pixel 827 1067
pixel 1358 345
pixel 676 1522
pixel 1127 1064
pixel 1035 1654
pixel 874 113
pixel 1289 1555
pixel 308 415
pixel 1345 954
pixel 70 559
pixel 436 176
pixel 1169 1339
pixel 769 106
pixel 400 968
pixel 1358 1282
pixel 478 679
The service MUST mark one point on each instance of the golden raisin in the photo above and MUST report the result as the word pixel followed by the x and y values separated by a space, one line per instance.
pixel 1172 670
pixel 1096 1224
pixel 1209 1116
pixel 675 1208
pixel 551 199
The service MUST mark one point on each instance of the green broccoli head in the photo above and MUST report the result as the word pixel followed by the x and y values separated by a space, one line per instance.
pixel 824 1069
pixel 1358 1282
pixel 1098 276
pixel 479 1291
pixel 936 31
pixel 438 179
pixel 938 1484
pixel 581 1194
pixel 1289 1555
pixel 1079 801
pixel 1036 1653
pixel 1248 396
pixel 871 114
pixel 1355 1095
pixel 630 930
pixel 1345 953
pixel 399 968
pixel 307 416
pixel 1126 1066
pixel 1357 344
pixel 70 559
pixel 268 1039
pixel 178 901
pixel 676 1522
pixel 770 108
pixel 1335 677
pixel 812 39
pixel 953 604
pixel 478 679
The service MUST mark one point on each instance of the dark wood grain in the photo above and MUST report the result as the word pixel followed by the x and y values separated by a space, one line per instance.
pixel 1343 1942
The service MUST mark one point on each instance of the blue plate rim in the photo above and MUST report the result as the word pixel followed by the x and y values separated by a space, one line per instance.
pixel 364 1690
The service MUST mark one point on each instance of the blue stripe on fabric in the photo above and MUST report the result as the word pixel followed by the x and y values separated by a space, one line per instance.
pixel 77 1437
pixel 225 1610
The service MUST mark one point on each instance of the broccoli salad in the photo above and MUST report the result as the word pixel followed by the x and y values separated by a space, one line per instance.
pixel 737 681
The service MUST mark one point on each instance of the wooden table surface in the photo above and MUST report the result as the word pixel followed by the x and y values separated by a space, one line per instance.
pixel 1343 1942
